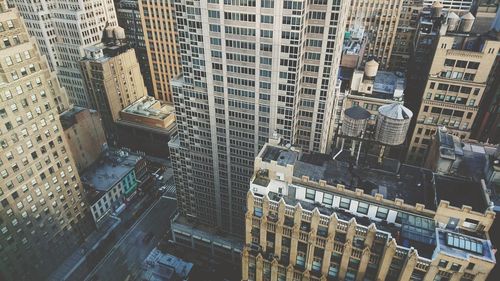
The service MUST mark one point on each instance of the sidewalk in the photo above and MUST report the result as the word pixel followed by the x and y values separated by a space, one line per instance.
pixel 72 265
pixel 93 240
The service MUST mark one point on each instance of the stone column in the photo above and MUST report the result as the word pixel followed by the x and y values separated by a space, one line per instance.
pixel 263 232
pixel 295 234
pixel 248 227
pixel 311 245
pixel 274 270
pixel 279 228
pixel 259 266
pixel 263 223
pixel 244 264
pixel 306 276
pixel 365 258
pixel 370 235
pixel 390 249
pixel 409 265
pixel 248 218
pixel 289 272
pixel 325 266
pixel 431 273
pixel 278 239
pixel 346 255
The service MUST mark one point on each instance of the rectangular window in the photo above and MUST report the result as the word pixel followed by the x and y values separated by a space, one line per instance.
pixel 213 14
pixel 215 28
pixel 473 65
pixel 382 213
pixel 443 263
pixel 461 64
pixel 345 203
pixel 215 41
pixel 310 194
pixel 266 19
pixel 266 61
pixel 328 199
pixel 267 4
pixel 363 208
pixel 449 62
pixel 257 212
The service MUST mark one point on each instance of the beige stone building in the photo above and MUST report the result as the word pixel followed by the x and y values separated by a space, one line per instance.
pixel 160 36
pixel 113 78
pixel 454 88
pixel 85 135
pixel 41 205
pixel 379 19
pixel 147 125
pixel 306 220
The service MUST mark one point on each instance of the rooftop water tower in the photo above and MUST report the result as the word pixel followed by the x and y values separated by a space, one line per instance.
pixel 392 124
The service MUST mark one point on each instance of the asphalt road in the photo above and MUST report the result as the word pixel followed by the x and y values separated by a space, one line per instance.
pixel 124 261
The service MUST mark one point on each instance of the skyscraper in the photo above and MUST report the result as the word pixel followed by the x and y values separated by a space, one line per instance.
pixel 249 69
pixel 379 21
pixel 40 192
pixel 160 36
pixel 63 30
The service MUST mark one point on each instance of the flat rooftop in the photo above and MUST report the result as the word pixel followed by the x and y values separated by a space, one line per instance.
pixel 150 107
pixel 460 192
pixel 282 156
pixel 391 179
pixel 387 82
pixel 160 266
pixel 387 85
pixel 68 118
pixel 412 184
pixel 111 167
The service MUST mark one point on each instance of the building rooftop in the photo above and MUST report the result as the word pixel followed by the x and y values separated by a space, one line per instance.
pixel 68 118
pixel 283 157
pixel 470 158
pixel 165 267
pixel 102 52
pixel 412 184
pixel 460 192
pixel 112 166
pixel 151 108
pixel 389 83
pixel 391 178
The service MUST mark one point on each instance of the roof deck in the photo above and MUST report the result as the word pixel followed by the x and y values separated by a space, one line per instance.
pixel 282 156
pixel 409 183
pixel 109 170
